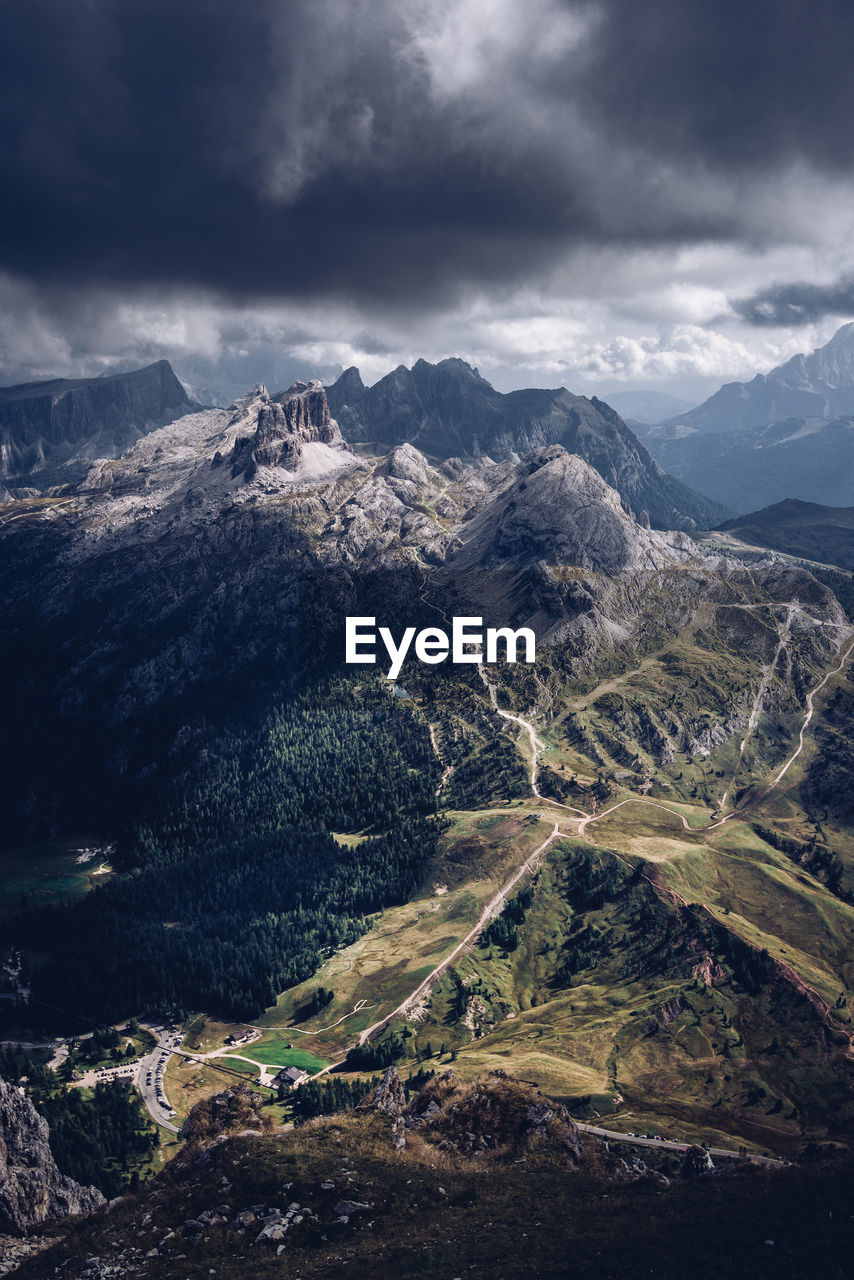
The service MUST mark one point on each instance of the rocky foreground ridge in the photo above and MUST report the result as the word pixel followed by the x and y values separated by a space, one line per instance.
pixel 483 1177
pixel 224 1194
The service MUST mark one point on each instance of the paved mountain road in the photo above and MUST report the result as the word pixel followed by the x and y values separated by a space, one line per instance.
pixel 668 1144
pixel 149 1065
pixel 489 912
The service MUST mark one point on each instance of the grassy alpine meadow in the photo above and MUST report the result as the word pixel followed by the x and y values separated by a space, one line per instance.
pixel 661 970
pixel 277 1050
pixel 478 853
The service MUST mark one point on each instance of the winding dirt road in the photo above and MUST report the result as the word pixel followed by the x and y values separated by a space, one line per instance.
pixel 493 908
pixel 583 820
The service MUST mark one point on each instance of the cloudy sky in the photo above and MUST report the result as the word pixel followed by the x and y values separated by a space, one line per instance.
pixel 654 193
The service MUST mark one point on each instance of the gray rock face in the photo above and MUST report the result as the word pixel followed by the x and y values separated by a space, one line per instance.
pixel 406 464
pixel 286 423
pixel 388 1097
pixel 561 511
pixel 32 1190
pixel 46 424
pixel 696 1163
pixel 307 412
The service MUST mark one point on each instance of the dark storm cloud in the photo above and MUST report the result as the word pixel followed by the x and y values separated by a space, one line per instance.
pixel 301 149
pixel 257 147
pixel 795 304
pixel 738 83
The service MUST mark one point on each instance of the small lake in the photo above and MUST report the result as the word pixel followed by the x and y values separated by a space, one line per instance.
pixel 50 872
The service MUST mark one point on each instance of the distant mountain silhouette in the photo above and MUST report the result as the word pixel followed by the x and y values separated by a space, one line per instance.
pixel 785 434
pixel 647 406
pixel 805 529
pixel 820 385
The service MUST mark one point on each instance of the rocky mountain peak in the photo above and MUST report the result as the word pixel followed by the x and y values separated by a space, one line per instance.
pixel 243 406
pixel 405 463
pixel 306 408
pixel 561 511
pixel 285 423
pixel 453 366
pixel 350 385
pixel 830 366
pixel 32 1190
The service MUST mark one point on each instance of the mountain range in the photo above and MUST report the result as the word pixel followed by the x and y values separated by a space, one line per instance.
pixel 264 497
pixel 624 872
pixel 448 409
pixel 785 434
pixel 815 386
pixel 50 430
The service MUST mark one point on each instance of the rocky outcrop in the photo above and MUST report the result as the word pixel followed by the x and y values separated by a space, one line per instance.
pixel 44 425
pixel 307 412
pixel 15 1249
pixel 285 424
pixel 32 1190
pixel 406 466
pixel 696 1163
pixel 561 510
pixel 237 1110
pixel 495 1117
pixel 388 1097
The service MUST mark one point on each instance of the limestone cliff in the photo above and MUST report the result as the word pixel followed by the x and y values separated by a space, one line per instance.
pixel 285 424
pixel 44 425
pixel 32 1190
